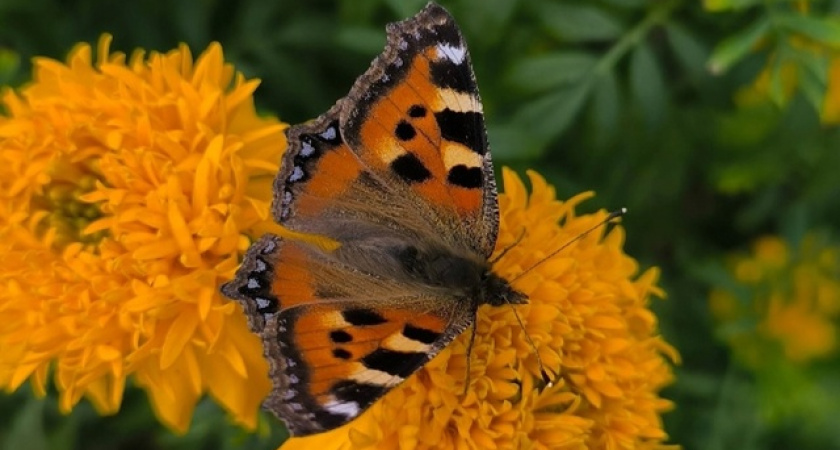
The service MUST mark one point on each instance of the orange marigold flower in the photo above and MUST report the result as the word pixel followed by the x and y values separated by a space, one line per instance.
pixel 792 298
pixel 589 319
pixel 125 190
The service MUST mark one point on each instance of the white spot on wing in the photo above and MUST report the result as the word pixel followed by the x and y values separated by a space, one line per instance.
pixel 307 150
pixel 297 174
pixel 262 302
pixel 328 134
pixel 253 283
pixel 260 265
pixel 346 409
pixel 455 54
pixel 270 245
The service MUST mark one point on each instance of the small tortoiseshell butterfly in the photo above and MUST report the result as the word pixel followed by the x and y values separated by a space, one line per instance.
pixel 398 174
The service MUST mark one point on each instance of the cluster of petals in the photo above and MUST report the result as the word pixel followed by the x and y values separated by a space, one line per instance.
pixel 127 187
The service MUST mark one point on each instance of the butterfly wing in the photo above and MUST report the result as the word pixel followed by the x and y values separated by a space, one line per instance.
pixel 396 172
pixel 414 127
pixel 337 339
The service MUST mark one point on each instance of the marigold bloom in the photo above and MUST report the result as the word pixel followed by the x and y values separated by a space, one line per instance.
pixel 792 296
pixel 589 319
pixel 125 187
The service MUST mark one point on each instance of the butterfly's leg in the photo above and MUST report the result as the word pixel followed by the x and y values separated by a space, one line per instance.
pixel 473 326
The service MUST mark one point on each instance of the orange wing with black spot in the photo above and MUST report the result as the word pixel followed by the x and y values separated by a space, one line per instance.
pixel 336 339
pixel 414 124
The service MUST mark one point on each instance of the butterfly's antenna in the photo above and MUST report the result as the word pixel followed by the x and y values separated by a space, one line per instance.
pixel 546 378
pixel 613 215
pixel 508 248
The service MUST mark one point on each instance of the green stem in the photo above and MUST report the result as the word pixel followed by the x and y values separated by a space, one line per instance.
pixel 656 16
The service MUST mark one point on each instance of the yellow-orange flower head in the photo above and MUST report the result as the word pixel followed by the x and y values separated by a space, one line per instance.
pixel 125 187
pixel 589 319
pixel 791 299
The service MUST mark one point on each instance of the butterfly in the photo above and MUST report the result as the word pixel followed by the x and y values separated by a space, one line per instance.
pixel 398 177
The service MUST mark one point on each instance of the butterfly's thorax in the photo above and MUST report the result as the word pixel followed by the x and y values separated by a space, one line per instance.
pixel 467 277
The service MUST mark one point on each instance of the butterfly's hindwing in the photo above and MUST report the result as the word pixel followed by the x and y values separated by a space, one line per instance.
pixel 341 338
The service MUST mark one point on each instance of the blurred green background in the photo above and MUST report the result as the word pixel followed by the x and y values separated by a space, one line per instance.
pixel 714 122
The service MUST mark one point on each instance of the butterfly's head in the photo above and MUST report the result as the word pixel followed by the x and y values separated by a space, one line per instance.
pixel 497 291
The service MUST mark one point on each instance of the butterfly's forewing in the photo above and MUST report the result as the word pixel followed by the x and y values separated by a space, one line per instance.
pixel 415 118
pixel 413 122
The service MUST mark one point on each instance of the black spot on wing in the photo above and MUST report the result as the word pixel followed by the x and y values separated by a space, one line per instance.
pixel 420 334
pixel 341 353
pixel 410 169
pixel 465 128
pixel 340 336
pixel 417 111
pixel 466 177
pixel 362 317
pixel 401 364
pixel 404 131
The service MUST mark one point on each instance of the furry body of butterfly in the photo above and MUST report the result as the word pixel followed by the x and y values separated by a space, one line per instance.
pixel 399 175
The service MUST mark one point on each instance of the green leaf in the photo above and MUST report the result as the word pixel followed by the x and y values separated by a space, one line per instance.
pixel 27 430
pixel 825 30
pixel 406 8
pixel 813 73
pixel 9 65
pixel 629 4
pixel 647 85
pixel 605 106
pixel 545 72
pixel 487 20
pixel 688 50
pixel 366 41
pixel 577 23
pixel 735 47
pixel 777 83
pixel 549 116
pixel 510 142
pixel 725 5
